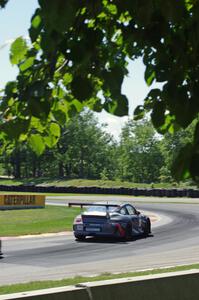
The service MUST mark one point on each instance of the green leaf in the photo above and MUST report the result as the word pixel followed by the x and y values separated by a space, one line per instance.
pixel 14 128
pixel 36 25
pixel 38 98
pixel 27 64
pixel 113 80
pixel 18 51
pixel 149 75
pixel 54 135
pixel 179 104
pixel 112 9
pixel 139 113
pixel 39 107
pixel 36 124
pixel 60 110
pixel 36 21
pixel 158 115
pixel 58 15
pixel 60 116
pixel 67 78
pixel 118 107
pixel 95 104
pixel 189 4
pixel 152 97
pixel 82 88
pixel 50 141
pixel 37 143
pixel 10 88
pixel 54 130
pixel 74 108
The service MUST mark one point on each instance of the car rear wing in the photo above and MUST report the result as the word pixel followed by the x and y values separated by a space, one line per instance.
pixel 82 204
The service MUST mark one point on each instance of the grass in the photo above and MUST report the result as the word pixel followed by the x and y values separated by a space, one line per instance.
pixel 87 182
pixel 22 287
pixel 37 221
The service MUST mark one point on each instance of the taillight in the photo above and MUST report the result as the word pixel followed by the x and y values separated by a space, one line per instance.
pixel 78 220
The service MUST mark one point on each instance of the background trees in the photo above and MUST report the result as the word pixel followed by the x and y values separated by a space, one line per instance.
pixel 171 146
pixel 140 157
pixel 86 150
pixel 83 151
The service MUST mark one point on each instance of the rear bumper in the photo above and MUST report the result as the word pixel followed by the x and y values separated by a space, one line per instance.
pixel 107 230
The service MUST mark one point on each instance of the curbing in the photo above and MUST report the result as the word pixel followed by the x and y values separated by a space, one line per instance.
pixel 172 286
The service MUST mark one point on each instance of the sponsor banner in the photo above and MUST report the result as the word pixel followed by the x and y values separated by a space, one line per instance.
pixel 21 201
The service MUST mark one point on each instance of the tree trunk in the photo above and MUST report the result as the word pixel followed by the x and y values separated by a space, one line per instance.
pixel 17 164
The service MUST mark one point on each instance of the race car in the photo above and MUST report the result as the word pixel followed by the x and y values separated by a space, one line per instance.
pixel 111 220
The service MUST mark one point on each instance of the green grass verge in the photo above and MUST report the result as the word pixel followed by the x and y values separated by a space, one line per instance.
pixel 87 182
pixel 15 288
pixel 37 221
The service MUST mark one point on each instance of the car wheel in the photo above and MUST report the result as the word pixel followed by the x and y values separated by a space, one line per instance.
pixel 128 232
pixel 147 228
pixel 80 237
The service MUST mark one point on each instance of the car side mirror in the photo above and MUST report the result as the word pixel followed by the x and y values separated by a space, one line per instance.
pixel 138 212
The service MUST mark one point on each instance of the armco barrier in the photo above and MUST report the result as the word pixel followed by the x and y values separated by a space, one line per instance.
pixel 170 286
pixel 191 193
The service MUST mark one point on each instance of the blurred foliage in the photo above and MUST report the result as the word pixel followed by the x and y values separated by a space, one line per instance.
pixel 3 3
pixel 80 48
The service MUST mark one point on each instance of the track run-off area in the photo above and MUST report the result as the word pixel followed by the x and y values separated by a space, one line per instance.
pixel 174 241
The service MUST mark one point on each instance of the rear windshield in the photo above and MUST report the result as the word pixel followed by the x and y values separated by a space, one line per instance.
pixel 101 208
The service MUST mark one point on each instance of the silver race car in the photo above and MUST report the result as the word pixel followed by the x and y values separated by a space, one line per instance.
pixel 111 220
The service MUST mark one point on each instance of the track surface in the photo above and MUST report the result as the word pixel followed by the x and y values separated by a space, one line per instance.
pixel 175 241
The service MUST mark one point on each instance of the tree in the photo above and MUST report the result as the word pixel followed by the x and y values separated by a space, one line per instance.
pixel 140 158
pixel 171 146
pixel 84 150
pixel 79 48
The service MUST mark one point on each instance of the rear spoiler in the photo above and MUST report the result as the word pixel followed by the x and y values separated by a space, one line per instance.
pixel 82 204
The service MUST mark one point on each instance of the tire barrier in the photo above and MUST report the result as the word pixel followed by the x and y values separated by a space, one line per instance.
pixel 148 192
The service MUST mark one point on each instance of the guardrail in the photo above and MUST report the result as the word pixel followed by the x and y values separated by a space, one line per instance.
pixel 155 192
pixel 168 286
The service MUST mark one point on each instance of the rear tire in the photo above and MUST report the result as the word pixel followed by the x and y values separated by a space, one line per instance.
pixel 128 232
pixel 147 228
pixel 80 237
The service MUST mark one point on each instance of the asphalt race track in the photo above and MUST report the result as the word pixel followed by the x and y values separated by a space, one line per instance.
pixel 175 241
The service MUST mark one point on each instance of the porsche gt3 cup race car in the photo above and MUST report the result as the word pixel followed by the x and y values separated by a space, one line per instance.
pixel 111 220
